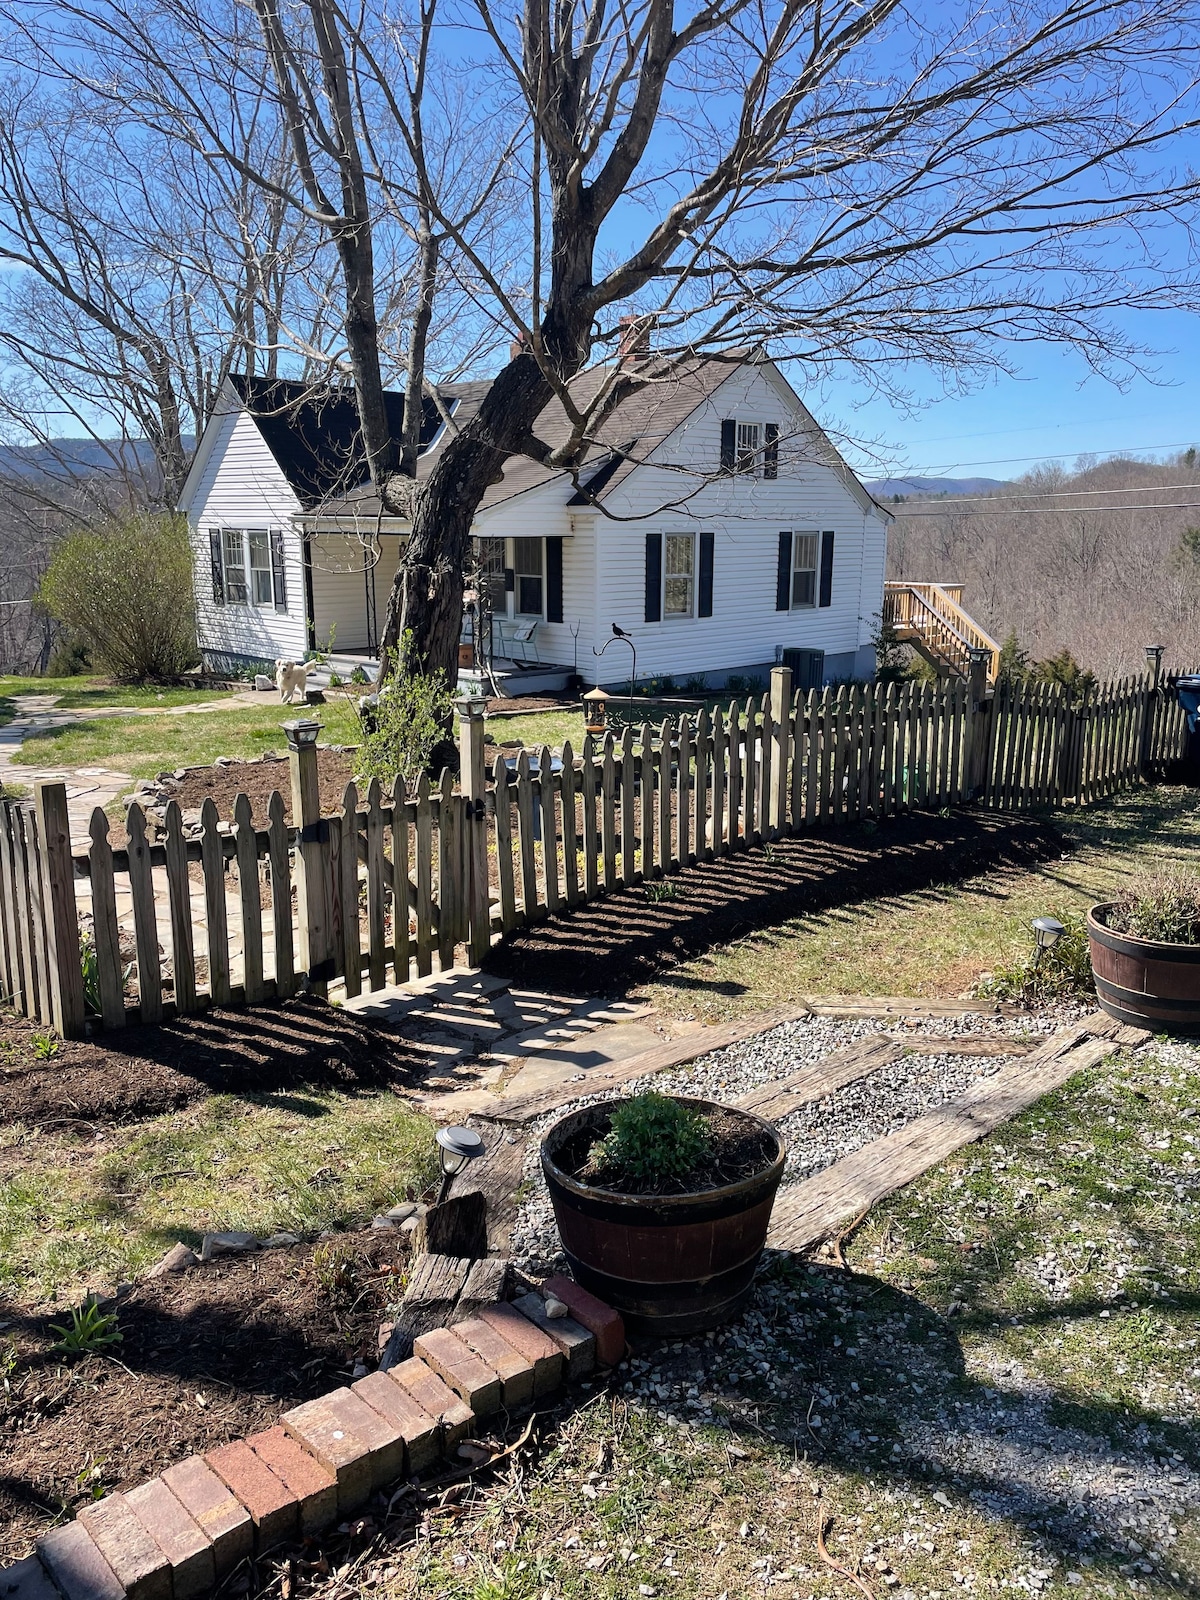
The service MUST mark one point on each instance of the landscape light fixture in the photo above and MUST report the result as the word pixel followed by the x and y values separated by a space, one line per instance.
pixel 456 1146
pixel 1047 931
pixel 1154 655
pixel 471 705
pixel 595 712
pixel 301 733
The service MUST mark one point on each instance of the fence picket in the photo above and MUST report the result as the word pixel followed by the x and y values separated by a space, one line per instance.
pixel 700 790
pixel 608 814
pixel 249 896
pixel 145 929
pixel 179 896
pixel 281 897
pixel 345 877
pixel 587 777
pixel 424 837
pixel 106 934
pixel 525 829
pixel 450 875
pixel 502 818
pixel 733 788
pixel 549 830
pixel 683 794
pixel 628 820
pixel 570 828
pixel 216 916
pixel 376 889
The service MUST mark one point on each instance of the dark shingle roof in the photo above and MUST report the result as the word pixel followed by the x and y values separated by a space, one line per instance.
pixel 314 433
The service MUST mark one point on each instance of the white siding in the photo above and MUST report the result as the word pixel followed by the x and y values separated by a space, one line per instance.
pixel 343 567
pixel 604 570
pixel 241 486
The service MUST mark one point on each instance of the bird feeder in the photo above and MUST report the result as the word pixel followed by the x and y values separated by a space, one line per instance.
pixel 595 713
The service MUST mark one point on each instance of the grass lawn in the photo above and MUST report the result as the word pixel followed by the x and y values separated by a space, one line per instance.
pixel 96 694
pixel 83 1212
pixel 937 941
pixel 145 746
pixel 1002 1396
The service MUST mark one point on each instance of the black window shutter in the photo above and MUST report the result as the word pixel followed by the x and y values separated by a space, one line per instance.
pixel 278 570
pixel 771 450
pixel 654 548
pixel 218 572
pixel 554 580
pixel 729 445
pixel 704 607
pixel 783 575
pixel 826 570
pixel 510 579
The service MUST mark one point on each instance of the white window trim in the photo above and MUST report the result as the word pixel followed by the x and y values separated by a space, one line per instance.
pixel 815 569
pixel 680 616
pixel 514 612
pixel 245 569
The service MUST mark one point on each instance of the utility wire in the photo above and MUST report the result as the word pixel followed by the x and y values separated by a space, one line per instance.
pixel 1061 494
pixel 1164 505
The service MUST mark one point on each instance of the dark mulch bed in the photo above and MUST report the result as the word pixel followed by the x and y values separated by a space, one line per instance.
pixel 206 1356
pixel 615 943
pixel 138 1072
pixel 258 779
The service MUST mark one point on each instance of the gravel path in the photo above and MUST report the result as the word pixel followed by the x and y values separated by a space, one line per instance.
pixel 820 1133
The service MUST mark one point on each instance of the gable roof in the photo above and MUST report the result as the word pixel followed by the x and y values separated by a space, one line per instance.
pixel 314 434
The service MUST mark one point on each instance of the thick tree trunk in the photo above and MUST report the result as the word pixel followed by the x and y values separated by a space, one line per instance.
pixel 425 607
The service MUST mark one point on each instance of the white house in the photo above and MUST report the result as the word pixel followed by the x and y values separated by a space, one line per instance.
pixel 713 521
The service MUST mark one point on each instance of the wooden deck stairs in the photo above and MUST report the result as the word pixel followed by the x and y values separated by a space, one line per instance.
pixel 930 617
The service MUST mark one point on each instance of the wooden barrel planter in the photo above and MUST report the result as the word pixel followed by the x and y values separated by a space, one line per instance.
pixel 1145 982
pixel 670 1264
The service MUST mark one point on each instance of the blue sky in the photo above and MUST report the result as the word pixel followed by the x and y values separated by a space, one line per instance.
pixel 1056 409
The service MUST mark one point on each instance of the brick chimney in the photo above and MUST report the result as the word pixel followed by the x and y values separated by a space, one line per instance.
pixel 635 339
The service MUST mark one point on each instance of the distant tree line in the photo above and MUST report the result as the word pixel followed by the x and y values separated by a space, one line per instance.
pixel 1083 567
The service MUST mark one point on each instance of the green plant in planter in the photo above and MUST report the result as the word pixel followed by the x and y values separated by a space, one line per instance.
pixel 652 1140
pixel 1162 904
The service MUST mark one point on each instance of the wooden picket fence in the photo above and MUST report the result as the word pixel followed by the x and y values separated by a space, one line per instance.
pixel 394 884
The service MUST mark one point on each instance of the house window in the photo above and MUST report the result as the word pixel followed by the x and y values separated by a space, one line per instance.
pixel 233 563
pixel 262 589
pixel 679 576
pixel 804 569
pixel 749 439
pixel 528 567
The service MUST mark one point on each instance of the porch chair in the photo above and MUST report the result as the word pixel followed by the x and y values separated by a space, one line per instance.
pixel 519 636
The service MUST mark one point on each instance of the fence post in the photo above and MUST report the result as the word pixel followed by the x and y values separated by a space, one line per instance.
pixel 314 897
pixel 1154 660
pixel 59 909
pixel 781 714
pixel 473 784
pixel 978 730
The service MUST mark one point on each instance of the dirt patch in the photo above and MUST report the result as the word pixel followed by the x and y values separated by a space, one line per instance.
pixel 625 939
pixel 205 1356
pixel 259 780
pixel 139 1072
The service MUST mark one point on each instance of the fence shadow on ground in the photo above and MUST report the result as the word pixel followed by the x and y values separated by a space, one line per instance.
pixel 626 938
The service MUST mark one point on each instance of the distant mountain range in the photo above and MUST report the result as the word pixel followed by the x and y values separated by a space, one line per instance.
pixel 86 456
pixel 927 488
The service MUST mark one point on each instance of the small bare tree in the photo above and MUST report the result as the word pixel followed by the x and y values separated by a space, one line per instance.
pixel 861 186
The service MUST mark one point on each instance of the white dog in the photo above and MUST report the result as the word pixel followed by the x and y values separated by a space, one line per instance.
pixel 291 678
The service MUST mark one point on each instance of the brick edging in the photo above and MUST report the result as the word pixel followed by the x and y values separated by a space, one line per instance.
pixel 176 1536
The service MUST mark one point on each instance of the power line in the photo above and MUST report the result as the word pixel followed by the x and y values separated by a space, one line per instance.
pixel 1061 494
pixel 1164 505
pixel 1009 461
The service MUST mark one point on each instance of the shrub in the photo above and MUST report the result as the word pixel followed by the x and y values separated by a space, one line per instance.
pixel 653 1142
pixel 124 590
pixel 1162 904
pixel 406 726
pixel 1062 972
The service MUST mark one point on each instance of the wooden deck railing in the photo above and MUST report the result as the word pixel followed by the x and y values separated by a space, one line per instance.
pixel 930 616
pixel 402 878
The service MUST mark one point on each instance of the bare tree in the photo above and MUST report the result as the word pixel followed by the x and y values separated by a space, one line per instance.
pixel 864 187
pixel 1100 561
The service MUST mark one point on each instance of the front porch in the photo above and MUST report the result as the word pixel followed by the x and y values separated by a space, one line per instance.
pixel 508 678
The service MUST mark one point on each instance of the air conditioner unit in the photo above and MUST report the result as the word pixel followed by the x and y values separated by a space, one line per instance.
pixel 808 668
